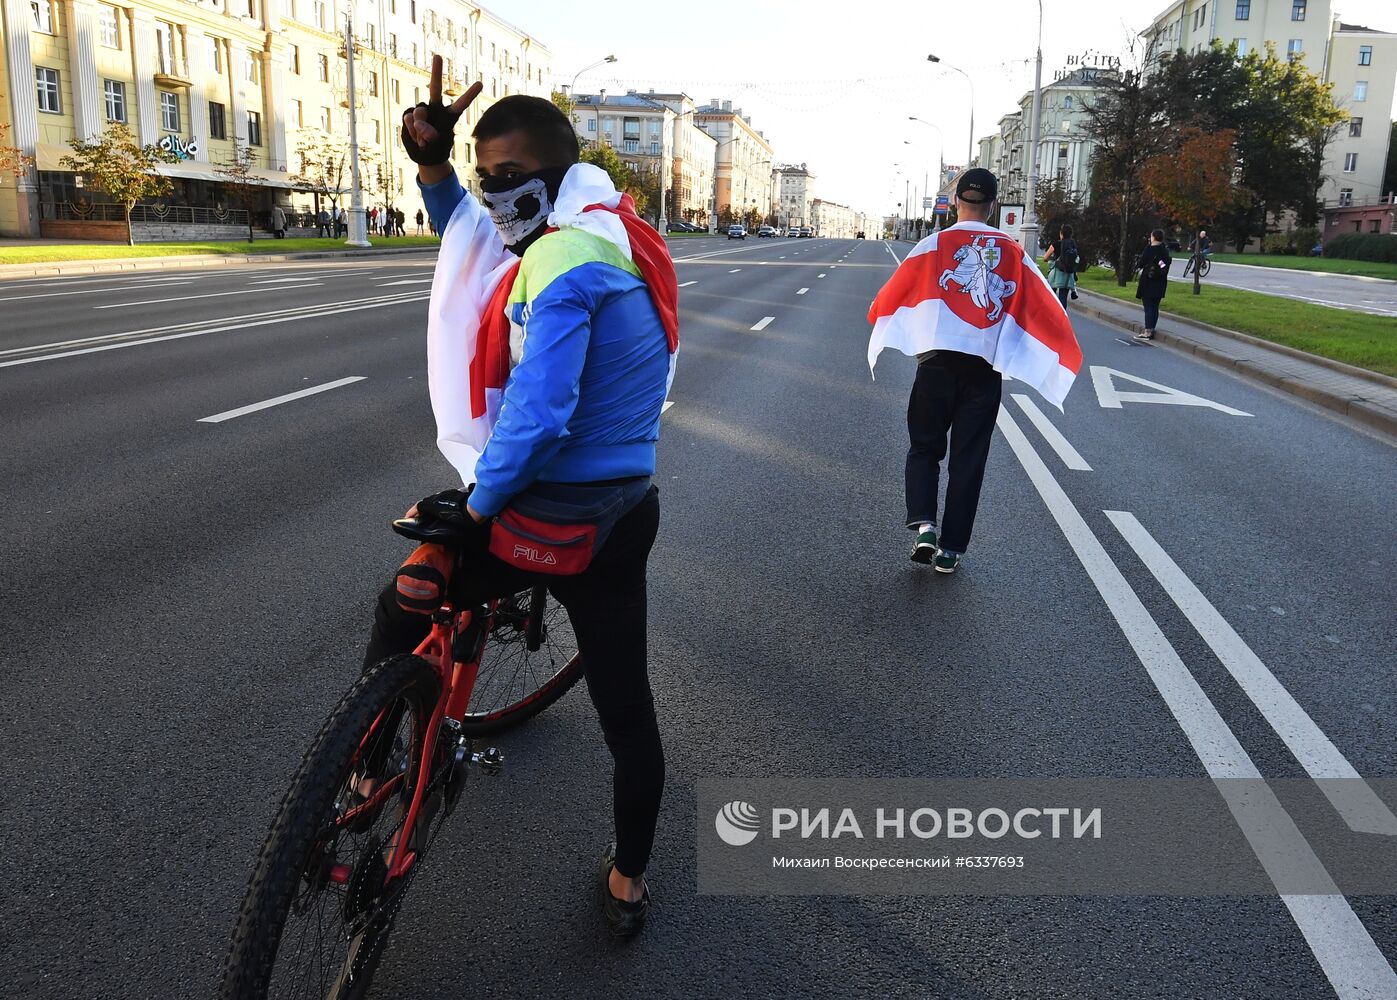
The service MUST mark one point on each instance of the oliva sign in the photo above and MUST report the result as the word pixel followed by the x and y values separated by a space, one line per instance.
pixel 184 150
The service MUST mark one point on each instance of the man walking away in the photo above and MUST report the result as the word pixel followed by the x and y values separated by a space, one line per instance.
pixel 1064 256
pixel 970 304
pixel 402 219
pixel 1153 266
pixel 278 222
pixel 322 223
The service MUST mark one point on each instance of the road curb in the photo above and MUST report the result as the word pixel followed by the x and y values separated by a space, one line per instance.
pixel 1301 270
pixel 1369 412
pixel 116 265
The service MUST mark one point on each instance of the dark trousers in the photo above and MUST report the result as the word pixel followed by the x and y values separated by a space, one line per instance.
pixel 955 396
pixel 1062 294
pixel 1151 312
pixel 606 604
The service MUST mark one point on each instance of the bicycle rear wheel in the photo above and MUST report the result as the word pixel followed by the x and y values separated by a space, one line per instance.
pixel 529 662
pixel 1204 267
pixel 319 909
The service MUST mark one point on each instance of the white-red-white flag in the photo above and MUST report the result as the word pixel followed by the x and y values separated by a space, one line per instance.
pixel 972 289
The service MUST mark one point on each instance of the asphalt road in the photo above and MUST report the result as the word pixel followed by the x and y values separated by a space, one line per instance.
pixel 184 600
pixel 1342 291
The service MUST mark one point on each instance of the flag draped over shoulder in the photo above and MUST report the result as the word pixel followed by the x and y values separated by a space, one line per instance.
pixel 972 288
pixel 468 331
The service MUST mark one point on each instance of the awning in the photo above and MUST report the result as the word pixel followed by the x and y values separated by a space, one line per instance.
pixel 50 157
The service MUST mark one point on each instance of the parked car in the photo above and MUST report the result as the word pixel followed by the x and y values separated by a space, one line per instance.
pixel 765 232
pixel 793 231
pixel 806 231
pixel 680 227
pixel 737 233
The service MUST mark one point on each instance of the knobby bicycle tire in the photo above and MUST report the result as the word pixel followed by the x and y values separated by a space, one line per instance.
pixel 299 827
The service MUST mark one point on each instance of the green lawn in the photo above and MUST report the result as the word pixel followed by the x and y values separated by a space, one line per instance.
pixel 45 253
pixel 1325 265
pixel 1353 338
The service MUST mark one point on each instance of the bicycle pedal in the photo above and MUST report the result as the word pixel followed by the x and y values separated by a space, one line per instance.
pixel 489 760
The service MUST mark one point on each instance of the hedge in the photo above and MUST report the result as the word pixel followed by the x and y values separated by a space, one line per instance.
pixel 1381 247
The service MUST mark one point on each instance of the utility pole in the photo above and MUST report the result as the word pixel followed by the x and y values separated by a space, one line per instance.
pixel 1030 227
pixel 358 236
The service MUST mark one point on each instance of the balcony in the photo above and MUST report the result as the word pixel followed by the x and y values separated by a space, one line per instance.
pixel 173 74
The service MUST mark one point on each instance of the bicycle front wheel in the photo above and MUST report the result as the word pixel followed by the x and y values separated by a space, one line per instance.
pixel 319 907
pixel 529 662
pixel 1204 266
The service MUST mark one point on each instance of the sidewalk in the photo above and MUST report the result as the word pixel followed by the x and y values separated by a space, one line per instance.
pixel 59 268
pixel 1363 396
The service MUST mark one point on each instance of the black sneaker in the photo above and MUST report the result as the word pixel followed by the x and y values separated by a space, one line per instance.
pixel 625 919
pixel 946 562
pixel 924 550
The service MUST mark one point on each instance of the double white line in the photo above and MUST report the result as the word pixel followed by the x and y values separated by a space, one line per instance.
pixel 1343 947
pixel 198 328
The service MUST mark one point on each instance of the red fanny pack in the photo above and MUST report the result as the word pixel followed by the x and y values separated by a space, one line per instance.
pixel 556 528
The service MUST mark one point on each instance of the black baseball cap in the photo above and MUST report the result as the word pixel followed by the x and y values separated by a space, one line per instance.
pixel 980 181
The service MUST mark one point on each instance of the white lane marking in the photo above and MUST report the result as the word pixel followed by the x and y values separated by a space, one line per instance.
pixel 1069 455
pixel 1111 399
pixel 299 314
pixel 665 409
pixel 889 247
pixel 94 291
pixel 763 323
pixel 735 270
pixel 1337 938
pixel 405 281
pixel 280 281
pixel 782 257
pixel 1360 807
pixel 802 291
pixel 243 411
pixel 208 295
pixel 819 275
pixel 686 284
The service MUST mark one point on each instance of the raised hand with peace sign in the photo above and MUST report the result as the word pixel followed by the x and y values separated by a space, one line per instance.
pixel 430 128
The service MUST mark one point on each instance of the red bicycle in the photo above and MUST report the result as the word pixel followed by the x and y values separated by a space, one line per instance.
pixel 385 771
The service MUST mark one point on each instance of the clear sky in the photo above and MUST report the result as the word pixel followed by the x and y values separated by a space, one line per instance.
pixel 833 84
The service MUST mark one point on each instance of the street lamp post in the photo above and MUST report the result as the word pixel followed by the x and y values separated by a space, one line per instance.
pixel 572 88
pixel 358 235
pixel 970 149
pixel 1030 226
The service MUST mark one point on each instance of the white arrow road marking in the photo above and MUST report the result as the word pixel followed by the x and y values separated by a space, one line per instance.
pixel 1360 807
pixel 1340 943
pixel 763 323
pixel 1051 434
pixel 241 411
pixel 1111 399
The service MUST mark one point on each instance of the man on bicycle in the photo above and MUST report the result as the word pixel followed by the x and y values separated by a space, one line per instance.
pixel 551 340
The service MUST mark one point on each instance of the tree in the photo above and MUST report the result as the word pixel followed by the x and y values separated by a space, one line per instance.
pixel 1389 176
pixel 1126 131
pixel 120 167
pixel 752 218
pixel 726 216
pixel 12 158
pixel 243 187
pixel 622 174
pixel 1207 89
pixel 325 167
pixel 1191 181
pixel 1057 205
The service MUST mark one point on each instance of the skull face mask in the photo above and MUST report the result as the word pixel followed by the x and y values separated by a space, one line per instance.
pixel 520 206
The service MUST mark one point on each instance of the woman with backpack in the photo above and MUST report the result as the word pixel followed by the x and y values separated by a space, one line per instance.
pixel 1153 266
pixel 1066 258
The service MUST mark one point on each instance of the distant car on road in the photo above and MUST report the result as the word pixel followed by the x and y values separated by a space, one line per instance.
pixel 793 231
pixel 737 233
pixel 765 232
pixel 682 227
pixel 859 235
pixel 806 231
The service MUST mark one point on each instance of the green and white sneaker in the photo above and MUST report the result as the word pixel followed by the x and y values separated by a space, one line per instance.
pixel 946 562
pixel 925 549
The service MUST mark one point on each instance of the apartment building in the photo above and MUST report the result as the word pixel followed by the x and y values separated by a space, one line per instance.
pixel 742 179
pixel 833 220
pixel 794 194
pixel 268 75
pixel 1360 62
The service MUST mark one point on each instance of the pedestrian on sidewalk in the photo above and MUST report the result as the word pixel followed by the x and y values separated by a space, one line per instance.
pixel 1153 266
pixel 373 219
pixel 278 222
pixel 970 304
pixel 322 224
pixel 402 220
pixel 342 223
pixel 419 222
pixel 1062 276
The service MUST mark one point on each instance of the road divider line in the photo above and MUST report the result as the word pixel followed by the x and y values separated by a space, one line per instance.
pixel 405 281
pixel 94 291
pixel 763 323
pixel 802 291
pixel 1336 937
pixel 281 281
pixel 243 411
pixel 686 284
pixel 819 275
pixel 1051 434
pixel 207 295
pixel 735 270
pixel 1340 781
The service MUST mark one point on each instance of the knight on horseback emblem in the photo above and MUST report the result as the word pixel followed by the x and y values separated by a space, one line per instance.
pixel 974 273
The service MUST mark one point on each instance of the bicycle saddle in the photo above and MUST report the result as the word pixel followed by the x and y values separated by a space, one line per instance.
pixel 432 530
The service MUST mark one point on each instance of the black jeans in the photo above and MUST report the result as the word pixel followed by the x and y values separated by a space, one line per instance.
pixel 606 604
pixel 1062 294
pixel 1151 312
pixel 956 396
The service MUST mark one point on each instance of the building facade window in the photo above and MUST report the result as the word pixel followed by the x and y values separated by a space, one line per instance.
pixel 114 93
pixel 295 59
pixel 110 29
pixel 1243 10
pixel 378 130
pixel 654 149
pixel 591 124
pixel 218 121
pixel 1297 10
pixel 215 53
pixel 1350 163
pixel 42 10
pixel 254 128
pixel 322 67
pixel 47 82
pixel 1355 128
pixel 252 66
pixel 393 86
pixel 373 83
pixel 325 120
pixel 1241 44
pixel 321 18
pixel 169 111
pixel 1200 16
pixel 1360 91
pixel 1365 55
pixel 1345 197
pixel 1294 49
pixel 393 44
pixel 165 43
